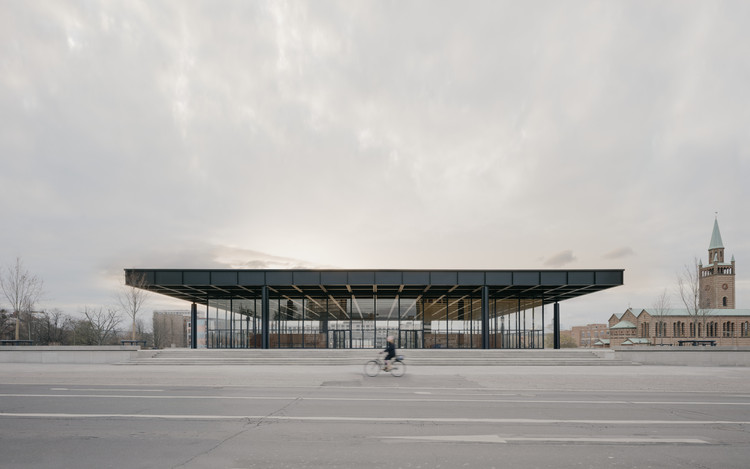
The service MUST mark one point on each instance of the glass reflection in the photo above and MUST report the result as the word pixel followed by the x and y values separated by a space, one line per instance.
pixel 355 321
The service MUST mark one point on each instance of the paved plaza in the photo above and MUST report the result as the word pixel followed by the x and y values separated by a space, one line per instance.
pixel 96 416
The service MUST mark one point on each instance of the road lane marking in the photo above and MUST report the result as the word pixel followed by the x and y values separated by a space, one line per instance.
pixel 106 389
pixel 627 440
pixel 371 419
pixel 450 438
pixel 378 399
pixel 584 439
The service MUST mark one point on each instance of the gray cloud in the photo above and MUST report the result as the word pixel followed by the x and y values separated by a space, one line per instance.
pixel 560 259
pixel 619 253
pixel 361 135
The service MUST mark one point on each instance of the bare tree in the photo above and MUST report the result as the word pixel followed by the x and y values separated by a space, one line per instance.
pixel 21 289
pixel 55 327
pixel 160 334
pixel 658 311
pixel 100 325
pixel 143 332
pixel 688 286
pixel 132 297
pixel 6 324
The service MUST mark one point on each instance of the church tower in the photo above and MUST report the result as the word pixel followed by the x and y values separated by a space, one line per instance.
pixel 717 277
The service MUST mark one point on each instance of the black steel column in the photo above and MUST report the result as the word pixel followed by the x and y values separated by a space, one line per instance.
pixel 485 317
pixel 543 325
pixel 265 323
pixel 193 326
pixel 556 325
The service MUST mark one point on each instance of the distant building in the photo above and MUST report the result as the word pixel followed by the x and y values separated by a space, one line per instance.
pixel 171 329
pixel 717 277
pixel 672 326
pixel 717 321
pixel 588 335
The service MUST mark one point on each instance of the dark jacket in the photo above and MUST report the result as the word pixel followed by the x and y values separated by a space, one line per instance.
pixel 390 350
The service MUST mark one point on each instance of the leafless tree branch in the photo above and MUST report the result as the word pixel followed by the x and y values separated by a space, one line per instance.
pixel 21 289
pixel 132 297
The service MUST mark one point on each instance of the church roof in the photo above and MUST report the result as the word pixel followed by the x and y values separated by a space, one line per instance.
pixel 708 313
pixel 623 325
pixel 716 242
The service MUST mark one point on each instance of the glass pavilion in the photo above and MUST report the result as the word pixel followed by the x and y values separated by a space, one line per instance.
pixel 360 308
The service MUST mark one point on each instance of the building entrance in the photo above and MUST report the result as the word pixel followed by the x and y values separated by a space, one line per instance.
pixel 409 339
pixel 339 339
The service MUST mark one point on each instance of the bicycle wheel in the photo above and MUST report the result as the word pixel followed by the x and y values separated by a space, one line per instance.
pixel 398 369
pixel 372 368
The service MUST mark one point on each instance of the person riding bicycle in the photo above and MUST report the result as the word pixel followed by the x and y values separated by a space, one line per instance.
pixel 390 352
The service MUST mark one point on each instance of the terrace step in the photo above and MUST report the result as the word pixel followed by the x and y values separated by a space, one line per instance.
pixel 414 357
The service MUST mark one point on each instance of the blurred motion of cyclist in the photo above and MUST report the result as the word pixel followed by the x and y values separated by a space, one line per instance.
pixel 390 352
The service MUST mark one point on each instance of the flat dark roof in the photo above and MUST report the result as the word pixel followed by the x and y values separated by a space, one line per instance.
pixel 195 285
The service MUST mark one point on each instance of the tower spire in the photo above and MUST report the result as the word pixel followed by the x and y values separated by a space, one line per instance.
pixel 716 242
pixel 716 283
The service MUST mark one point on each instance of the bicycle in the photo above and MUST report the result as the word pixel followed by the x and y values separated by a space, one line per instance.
pixel 398 367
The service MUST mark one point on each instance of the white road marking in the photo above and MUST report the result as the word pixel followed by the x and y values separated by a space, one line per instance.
pixel 106 389
pixel 691 441
pixel 449 438
pixel 584 439
pixel 372 419
pixel 378 399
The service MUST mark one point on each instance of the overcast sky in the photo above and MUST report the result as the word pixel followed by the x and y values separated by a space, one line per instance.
pixel 373 134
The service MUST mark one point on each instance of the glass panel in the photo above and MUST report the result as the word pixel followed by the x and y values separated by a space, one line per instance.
pixel 386 317
pixel 436 325
pixel 274 319
pixel 316 323
pixel 410 333
pixel 504 323
pixel 363 322
pixel 531 330
pixel 249 323
pixel 339 322
pixel 219 323
pixel 464 322
pixel 459 322
pixel 291 324
pixel 201 333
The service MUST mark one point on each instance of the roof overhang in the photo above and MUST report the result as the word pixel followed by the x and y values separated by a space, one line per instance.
pixel 197 286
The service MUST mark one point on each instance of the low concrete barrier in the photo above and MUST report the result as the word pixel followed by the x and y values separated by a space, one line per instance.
pixel 681 356
pixel 686 356
pixel 67 354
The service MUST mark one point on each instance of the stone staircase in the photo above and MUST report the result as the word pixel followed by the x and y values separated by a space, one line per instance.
pixel 413 357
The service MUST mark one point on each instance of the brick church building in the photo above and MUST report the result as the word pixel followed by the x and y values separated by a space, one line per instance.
pixel 716 321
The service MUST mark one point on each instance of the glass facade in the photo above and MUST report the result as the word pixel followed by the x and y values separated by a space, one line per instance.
pixel 364 322
pixel 358 309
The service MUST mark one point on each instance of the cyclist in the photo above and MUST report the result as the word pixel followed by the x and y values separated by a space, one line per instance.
pixel 390 352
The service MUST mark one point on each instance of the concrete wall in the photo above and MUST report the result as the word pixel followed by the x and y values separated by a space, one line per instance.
pixel 67 354
pixel 686 356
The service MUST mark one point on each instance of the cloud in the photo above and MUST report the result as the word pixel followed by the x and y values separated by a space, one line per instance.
pixel 619 253
pixel 240 258
pixel 178 135
pixel 560 259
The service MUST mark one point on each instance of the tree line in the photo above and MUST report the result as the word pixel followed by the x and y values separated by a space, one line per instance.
pixel 99 325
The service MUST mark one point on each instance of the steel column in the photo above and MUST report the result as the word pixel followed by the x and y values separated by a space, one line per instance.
pixel 485 317
pixel 556 325
pixel 265 323
pixel 193 326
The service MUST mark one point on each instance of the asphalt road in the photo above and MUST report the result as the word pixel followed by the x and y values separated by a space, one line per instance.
pixel 54 416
